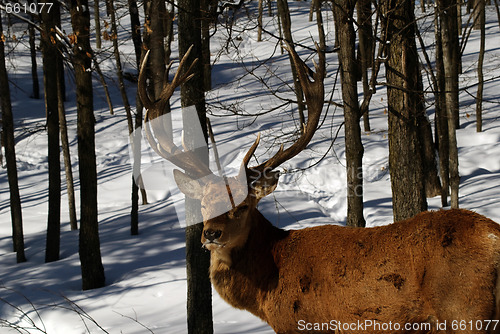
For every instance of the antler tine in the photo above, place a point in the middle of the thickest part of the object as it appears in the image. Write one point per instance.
(143, 94)
(179, 77)
(314, 94)
(156, 135)
(251, 151)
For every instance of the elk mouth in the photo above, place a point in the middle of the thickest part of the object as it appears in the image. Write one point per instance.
(212, 245)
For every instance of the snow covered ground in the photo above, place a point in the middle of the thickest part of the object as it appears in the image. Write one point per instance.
(145, 274)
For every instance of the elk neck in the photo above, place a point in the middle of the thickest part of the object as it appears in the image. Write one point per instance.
(253, 271)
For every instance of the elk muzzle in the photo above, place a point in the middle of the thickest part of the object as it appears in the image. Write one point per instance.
(211, 237)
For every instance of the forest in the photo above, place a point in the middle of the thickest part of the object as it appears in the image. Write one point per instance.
(94, 234)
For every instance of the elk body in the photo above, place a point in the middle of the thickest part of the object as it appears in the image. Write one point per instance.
(436, 268)
(436, 272)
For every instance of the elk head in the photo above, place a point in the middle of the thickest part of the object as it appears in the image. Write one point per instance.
(229, 203)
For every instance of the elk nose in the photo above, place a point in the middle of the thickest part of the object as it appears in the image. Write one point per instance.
(211, 235)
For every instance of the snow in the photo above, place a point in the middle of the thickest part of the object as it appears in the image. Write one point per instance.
(145, 275)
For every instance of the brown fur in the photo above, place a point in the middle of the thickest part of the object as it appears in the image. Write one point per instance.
(436, 267)
(439, 267)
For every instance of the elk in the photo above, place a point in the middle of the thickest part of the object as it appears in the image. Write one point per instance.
(436, 272)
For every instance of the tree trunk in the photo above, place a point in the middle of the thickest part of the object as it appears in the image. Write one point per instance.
(343, 10)
(137, 39)
(478, 6)
(50, 60)
(498, 12)
(136, 29)
(34, 72)
(73, 221)
(480, 78)
(259, 20)
(366, 46)
(97, 22)
(450, 45)
(432, 183)
(157, 56)
(90, 253)
(451, 55)
(405, 111)
(10, 156)
(321, 29)
(134, 225)
(205, 44)
(441, 118)
(199, 296)
(119, 71)
(459, 16)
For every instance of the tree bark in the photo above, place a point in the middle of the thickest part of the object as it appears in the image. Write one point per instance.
(321, 29)
(50, 55)
(441, 117)
(480, 77)
(89, 244)
(405, 111)
(10, 156)
(97, 22)
(205, 43)
(259, 20)
(136, 29)
(157, 14)
(366, 46)
(73, 221)
(450, 45)
(34, 72)
(199, 296)
(343, 11)
(137, 39)
(498, 12)
(432, 182)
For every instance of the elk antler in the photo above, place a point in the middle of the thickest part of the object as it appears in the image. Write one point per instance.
(164, 146)
(314, 94)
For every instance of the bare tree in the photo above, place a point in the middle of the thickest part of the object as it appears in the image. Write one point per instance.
(199, 298)
(343, 11)
(405, 110)
(73, 221)
(50, 77)
(97, 22)
(365, 49)
(136, 29)
(10, 155)
(441, 116)
(136, 145)
(134, 227)
(208, 12)
(34, 72)
(481, 18)
(450, 46)
(90, 253)
(498, 12)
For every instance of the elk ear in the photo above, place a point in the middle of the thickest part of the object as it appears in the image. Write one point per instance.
(264, 185)
(188, 186)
